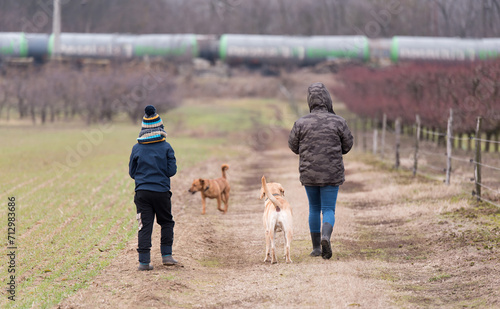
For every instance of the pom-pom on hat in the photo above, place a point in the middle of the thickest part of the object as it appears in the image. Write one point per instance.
(150, 110)
(152, 130)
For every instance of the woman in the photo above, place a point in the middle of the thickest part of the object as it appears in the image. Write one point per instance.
(320, 139)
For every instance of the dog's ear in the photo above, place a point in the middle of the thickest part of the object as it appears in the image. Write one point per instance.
(262, 193)
(202, 182)
(282, 191)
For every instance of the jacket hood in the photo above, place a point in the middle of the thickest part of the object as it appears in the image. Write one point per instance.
(318, 97)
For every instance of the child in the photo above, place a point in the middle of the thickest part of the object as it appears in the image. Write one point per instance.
(151, 165)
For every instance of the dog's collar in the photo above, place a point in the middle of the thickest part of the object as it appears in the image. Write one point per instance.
(208, 187)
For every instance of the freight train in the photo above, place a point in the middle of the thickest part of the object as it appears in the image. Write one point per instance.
(236, 49)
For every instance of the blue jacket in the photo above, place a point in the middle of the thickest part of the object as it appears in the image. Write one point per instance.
(152, 165)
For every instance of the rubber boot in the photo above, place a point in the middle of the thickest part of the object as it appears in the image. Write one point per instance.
(326, 247)
(168, 260)
(316, 241)
(144, 260)
(166, 255)
(145, 266)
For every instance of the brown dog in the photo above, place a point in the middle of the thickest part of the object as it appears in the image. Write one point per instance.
(277, 217)
(213, 188)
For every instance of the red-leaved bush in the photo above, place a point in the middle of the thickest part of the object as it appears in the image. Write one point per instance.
(428, 90)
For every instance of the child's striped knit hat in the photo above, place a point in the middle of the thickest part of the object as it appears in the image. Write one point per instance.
(152, 130)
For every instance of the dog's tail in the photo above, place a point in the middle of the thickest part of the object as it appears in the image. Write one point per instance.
(224, 168)
(276, 203)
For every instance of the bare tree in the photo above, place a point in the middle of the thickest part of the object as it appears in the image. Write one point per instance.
(298, 17)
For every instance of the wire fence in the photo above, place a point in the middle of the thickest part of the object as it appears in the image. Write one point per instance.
(486, 140)
(438, 156)
(432, 133)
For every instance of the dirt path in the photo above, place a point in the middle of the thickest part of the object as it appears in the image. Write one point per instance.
(388, 247)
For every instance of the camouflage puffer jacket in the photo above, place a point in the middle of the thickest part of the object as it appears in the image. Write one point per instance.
(320, 139)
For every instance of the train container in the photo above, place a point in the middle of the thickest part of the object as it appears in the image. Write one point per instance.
(86, 45)
(488, 49)
(208, 47)
(322, 48)
(13, 45)
(443, 49)
(248, 49)
(179, 47)
(261, 49)
(38, 46)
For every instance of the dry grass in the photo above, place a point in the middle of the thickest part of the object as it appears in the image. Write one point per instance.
(440, 249)
(432, 162)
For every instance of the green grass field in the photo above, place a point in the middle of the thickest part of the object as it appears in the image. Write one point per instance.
(74, 197)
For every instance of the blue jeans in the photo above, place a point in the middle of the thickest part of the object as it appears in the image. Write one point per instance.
(321, 200)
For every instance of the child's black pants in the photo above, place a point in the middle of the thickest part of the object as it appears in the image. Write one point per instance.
(148, 205)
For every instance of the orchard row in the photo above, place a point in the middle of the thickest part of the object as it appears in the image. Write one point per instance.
(429, 90)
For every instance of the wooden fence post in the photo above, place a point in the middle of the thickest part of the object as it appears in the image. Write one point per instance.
(449, 146)
(382, 142)
(375, 140)
(398, 133)
(417, 140)
(477, 164)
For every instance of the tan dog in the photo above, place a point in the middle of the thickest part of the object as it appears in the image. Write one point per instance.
(277, 217)
(213, 188)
